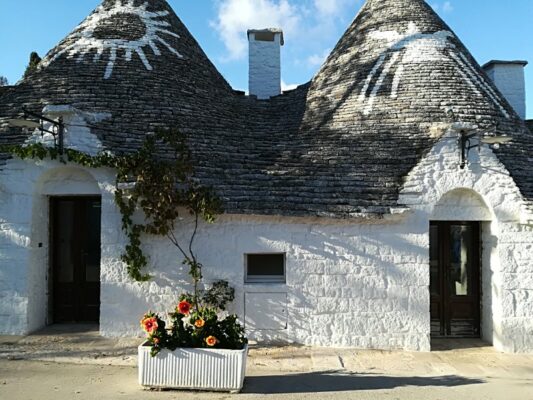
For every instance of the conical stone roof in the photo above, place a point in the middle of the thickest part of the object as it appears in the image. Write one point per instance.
(133, 59)
(399, 55)
(338, 146)
(392, 78)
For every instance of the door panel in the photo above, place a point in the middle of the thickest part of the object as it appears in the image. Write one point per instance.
(435, 281)
(455, 277)
(75, 244)
(90, 257)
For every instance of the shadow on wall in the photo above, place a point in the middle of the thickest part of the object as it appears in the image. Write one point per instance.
(388, 270)
(320, 382)
(377, 272)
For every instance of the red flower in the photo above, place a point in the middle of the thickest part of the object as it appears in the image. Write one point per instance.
(184, 307)
(149, 325)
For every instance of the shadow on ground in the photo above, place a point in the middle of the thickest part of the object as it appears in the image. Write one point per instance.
(459, 344)
(319, 382)
(66, 341)
(68, 330)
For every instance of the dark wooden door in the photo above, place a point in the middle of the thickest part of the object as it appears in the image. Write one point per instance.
(455, 279)
(75, 244)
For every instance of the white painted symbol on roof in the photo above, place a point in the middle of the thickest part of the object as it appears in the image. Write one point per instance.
(414, 47)
(85, 40)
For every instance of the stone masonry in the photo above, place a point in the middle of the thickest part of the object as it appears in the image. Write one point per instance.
(343, 175)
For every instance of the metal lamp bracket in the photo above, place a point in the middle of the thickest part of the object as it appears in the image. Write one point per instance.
(466, 146)
(58, 128)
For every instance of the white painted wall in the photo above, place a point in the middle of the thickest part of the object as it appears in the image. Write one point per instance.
(507, 262)
(15, 217)
(490, 281)
(356, 285)
(349, 284)
(516, 249)
(24, 234)
(77, 134)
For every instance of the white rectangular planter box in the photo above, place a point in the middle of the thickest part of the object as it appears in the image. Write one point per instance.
(194, 369)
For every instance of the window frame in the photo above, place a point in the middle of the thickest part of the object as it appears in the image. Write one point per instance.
(265, 279)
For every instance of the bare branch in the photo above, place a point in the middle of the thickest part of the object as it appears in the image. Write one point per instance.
(193, 236)
(175, 242)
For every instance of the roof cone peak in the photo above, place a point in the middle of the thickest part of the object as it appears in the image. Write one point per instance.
(397, 40)
(395, 49)
(117, 31)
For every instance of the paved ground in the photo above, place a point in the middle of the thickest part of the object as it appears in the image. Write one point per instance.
(81, 365)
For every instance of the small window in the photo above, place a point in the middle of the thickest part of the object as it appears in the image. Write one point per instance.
(265, 268)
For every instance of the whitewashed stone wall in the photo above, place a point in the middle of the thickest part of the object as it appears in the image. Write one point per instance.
(25, 189)
(516, 260)
(507, 262)
(349, 284)
(356, 285)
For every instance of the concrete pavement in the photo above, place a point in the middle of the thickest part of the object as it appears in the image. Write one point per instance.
(55, 364)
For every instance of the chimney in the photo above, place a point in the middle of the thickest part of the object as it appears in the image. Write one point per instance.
(265, 62)
(508, 76)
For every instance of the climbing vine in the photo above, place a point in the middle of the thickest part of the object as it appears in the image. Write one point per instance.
(160, 187)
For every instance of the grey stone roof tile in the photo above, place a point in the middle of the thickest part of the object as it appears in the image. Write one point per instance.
(339, 146)
(529, 124)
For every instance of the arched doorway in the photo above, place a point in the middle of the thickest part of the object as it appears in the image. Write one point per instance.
(456, 264)
(66, 222)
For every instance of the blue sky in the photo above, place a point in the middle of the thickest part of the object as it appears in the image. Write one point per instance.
(491, 29)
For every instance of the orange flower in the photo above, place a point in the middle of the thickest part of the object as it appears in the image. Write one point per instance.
(149, 325)
(156, 340)
(211, 341)
(199, 323)
(184, 307)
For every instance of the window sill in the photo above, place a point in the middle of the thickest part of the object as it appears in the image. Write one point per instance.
(272, 287)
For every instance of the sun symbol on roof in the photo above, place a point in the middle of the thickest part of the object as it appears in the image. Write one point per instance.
(123, 28)
(413, 47)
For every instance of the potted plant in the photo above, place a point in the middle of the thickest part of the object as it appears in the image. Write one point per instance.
(201, 349)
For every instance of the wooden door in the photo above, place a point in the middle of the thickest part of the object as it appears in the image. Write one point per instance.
(455, 279)
(75, 258)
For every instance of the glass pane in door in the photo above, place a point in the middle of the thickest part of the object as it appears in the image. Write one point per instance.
(460, 260)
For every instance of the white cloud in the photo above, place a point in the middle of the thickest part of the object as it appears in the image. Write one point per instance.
(235, 17)
(330, 7)
(316, 60)
(288, 86)
(312, 20)
(445, 7)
